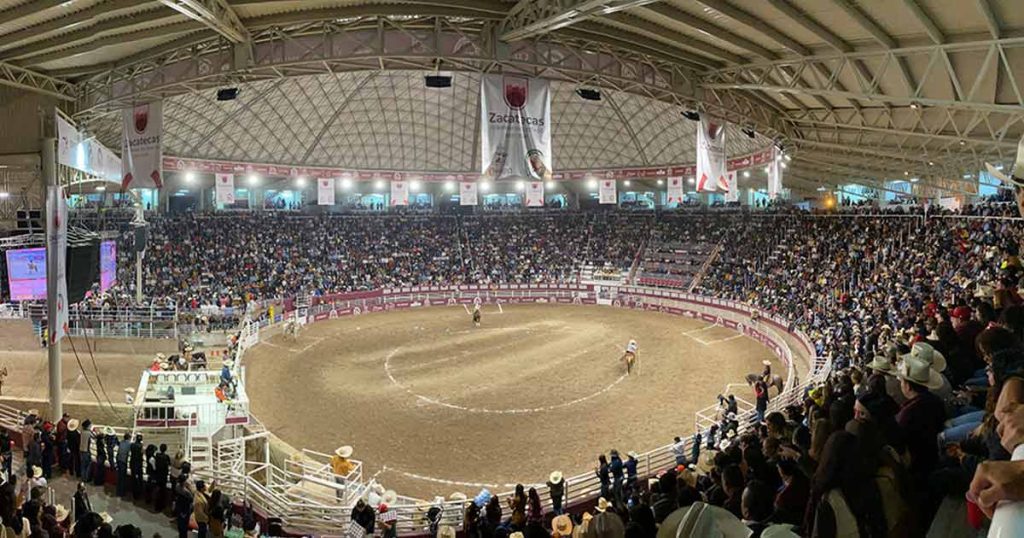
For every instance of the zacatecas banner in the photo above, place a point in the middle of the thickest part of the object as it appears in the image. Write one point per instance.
(399, 193)
(535, 194)
(711, 161)
(225, 189)
(515, 127)
(207, 166)
(607, 193)
(141, 151)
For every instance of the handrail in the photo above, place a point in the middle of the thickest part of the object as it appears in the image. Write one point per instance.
(705, 266)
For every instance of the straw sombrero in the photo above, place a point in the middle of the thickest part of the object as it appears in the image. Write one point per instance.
(555, 477)
(562, 525)
(61, 512)
(33, 411)
(390, 496)
(602, 505)
(344, 451)
(107, 430)
(766, 362)
(37, 472)
(73, 424)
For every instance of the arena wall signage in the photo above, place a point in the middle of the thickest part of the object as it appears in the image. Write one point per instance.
(209, 166)
(87, 155)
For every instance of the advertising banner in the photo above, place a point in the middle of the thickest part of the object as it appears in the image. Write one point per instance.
(141, 151)
(226, 189)
(325, 191)
(515, 128)
(608, 193)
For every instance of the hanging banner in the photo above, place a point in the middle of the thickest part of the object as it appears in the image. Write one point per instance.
(775, 175)
(732, 192)
(68, 139)
(399, 193)
(226, 189)
(325, 191)
(467, 193)
(675, 190)
(711, 162)
(141, 151)
(607, 193)
(535, 194)
(515, 130)
(57, 229)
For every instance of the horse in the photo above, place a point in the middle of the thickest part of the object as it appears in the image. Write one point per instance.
(630, 358)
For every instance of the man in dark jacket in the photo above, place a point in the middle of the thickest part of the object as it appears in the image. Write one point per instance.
(135, 463)
(183, 503)
(161, 466)
(616, 467)
(123, 450)
(82, 504)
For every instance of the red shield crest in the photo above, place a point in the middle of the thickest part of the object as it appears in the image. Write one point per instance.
(140, 117)
(516, 91)
(714, 130)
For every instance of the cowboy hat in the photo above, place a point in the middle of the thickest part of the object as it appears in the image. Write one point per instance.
(61, 512)
(107, 430)
(928, 354)
(633, 454)
(602, 505)
(555, 477)
(390, 496)
(129, 390)
(706, 520)
(919, 372)
(229, 363)
(766, 362)
(73, 424)
(779, 530)
(160, 357)
(881, 364)
(343, 451)
(446, 531)
(37, 472)
(516, 534)
(458, 496)
(106, 517)
(164, 365)
(33, 411)
(562, 525)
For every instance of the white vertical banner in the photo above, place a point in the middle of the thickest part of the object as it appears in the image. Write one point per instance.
(399, 193)
(534, 194)
(607, 193)
(675, 190)
(225, 189)
(467, 193)
(775, 174)
(732, 193)
(515, 130)
(57, 229)
(141, 151)
(68, 139)
(325, 191)
(711, 165)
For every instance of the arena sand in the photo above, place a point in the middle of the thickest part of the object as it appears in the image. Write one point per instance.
(433, 405)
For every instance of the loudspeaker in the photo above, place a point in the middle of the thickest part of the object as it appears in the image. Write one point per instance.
(227, 94)
(30, 220)
(438, 81)
(83, 269)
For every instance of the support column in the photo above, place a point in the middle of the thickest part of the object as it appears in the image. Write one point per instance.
(49, 168)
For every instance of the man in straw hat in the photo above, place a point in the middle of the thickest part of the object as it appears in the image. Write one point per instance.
(556, 488)
(922, 416)
(341, 467)
(561, 526)
(606, 523)
(74, 442)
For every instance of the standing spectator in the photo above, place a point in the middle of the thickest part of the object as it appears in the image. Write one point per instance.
(679, 450)
(162, 466)
(387, 519)
(135, 465)
(150, 457)
(556, 489)
(921, 418)
(101, 457)
(616, 467)
(33, 452)
(220, 511)
(604, 476)
(362, 514)
(85, 450)
(761, 404)
(123, 451)
(844, 501)
(341, 466)
(183, 503)
(201, 509)
(517, 505)
(6, 453)
(535, 514)
(63, 458)
(46, 446)
(631, 476)
(82, 504)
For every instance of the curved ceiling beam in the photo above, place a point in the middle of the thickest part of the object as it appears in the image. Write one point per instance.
(334, 117)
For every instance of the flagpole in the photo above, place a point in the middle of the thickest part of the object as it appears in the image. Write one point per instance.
(49, 168)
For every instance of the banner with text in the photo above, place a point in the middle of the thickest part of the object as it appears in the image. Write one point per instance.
(534, 194)
(399, 193)
(325, 191)
(775, 175)
(675, 190)
(711, 162)
(226, 189)
(515, 130)
(57, 229)
(607, 193)
(68, 139)
(467, 193)
(141, 151)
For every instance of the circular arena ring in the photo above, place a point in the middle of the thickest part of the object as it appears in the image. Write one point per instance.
(434, 405)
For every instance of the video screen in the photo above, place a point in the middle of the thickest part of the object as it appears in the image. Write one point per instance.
(108, 264)
(26, 273)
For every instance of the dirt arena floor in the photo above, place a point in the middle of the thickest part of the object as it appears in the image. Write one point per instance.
(118, 365)
(433, 405)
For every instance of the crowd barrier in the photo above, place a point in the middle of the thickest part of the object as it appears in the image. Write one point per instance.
(320, 517)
